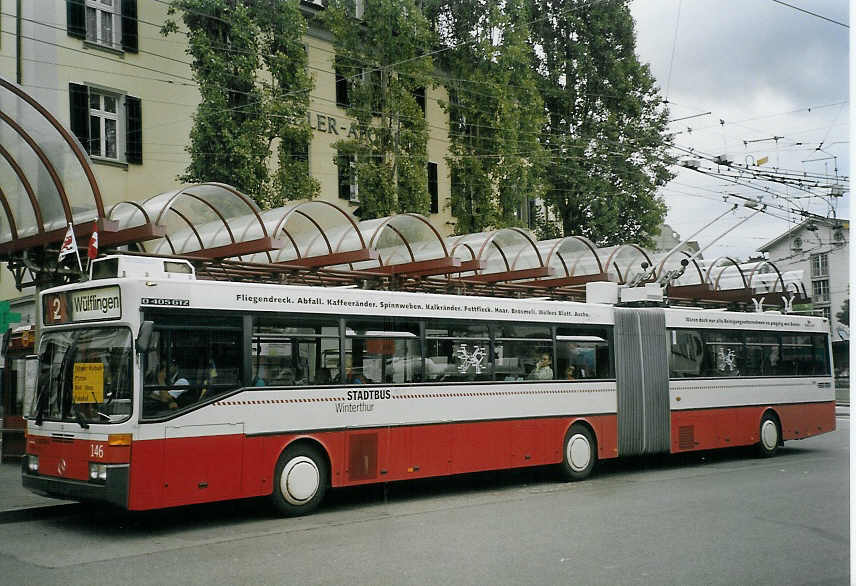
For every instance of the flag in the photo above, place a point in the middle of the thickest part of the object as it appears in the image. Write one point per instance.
(93, 246)
(69, 246)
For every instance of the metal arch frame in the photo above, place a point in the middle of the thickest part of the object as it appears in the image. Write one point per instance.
(619, 248)
(762, 263)
(441, 265)
(715, 284)
(13, 228)
(333, 257)
(146, 231)
(510, 274)
(22, 177)
(570, 278)
(233, 249)
(63, 196)
(701, 277)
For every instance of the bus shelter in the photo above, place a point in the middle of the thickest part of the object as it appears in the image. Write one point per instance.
(312, 234)
(508, 254)
(206, 220)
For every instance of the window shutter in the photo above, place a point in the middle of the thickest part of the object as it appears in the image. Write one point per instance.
(130, 41)
(134, 126)
(79, 101)
(75, 25)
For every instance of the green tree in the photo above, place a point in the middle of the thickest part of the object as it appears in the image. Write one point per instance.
(606, 122)
(382, 55)
(495, 109)
(250, 65)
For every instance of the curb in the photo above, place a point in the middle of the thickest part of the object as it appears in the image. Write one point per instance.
(36, 512)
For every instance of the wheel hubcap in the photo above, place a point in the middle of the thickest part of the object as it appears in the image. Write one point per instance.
(579, 452)
(769, 434)
(300, 480)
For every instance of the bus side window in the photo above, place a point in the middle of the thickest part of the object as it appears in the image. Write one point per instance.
(457, 350)
(687, 353)
(763, 355)
(294, 350)
(382, 350)
(724, 353)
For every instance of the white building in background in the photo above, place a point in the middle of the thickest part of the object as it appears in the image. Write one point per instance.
(820, 249)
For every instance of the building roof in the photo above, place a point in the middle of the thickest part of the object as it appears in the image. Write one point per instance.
(829, 222)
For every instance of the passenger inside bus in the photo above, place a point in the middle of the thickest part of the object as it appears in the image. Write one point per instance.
(169, 376)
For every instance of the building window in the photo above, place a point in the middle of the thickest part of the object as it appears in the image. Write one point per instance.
(343, 84)
(419, 96)
(102, 22)
(104, 125)
(820, 291)
(107, 23)
(348, 188)
(107, 124)
(433, 188)
(819, 266)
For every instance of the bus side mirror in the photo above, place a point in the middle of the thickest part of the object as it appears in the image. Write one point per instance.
(144, 337)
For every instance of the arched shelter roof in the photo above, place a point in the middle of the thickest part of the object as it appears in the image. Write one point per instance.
(405, 244)
(572, 260)
(46, 181)
(208, 220)
(507, 254)
(623, 262)
(693, 274)
(313, 234)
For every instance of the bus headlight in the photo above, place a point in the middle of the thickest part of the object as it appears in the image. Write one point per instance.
(32, 463)
(97, 472)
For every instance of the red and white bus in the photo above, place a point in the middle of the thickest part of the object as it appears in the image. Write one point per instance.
(157, 389)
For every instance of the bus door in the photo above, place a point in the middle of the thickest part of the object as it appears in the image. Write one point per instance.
(202, 462)
(642, 381)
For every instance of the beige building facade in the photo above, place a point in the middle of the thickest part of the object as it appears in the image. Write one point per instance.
(105, 71)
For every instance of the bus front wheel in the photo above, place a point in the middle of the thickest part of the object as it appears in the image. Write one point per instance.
(769, 436)
(579, 453)
(300, 480)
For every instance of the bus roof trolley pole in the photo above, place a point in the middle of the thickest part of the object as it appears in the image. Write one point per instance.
(670, 276)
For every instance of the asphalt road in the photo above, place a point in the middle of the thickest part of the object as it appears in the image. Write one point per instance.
(714, 518)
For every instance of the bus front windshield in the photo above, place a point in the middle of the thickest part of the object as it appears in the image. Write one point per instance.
(84, 376)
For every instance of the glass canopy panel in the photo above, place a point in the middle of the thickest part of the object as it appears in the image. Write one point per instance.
(127, 214)
(309, 229)
(573, 256)
(763, 277)
(82, 199)
(18, 200)
(45, 191)
(624, 262)
(400, 239)
(198, 217)
(693, 274)
(725, 275)
(508, 249)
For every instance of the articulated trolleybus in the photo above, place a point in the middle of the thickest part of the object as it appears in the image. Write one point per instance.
(156, 389)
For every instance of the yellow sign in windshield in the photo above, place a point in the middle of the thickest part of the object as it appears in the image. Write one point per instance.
(88, 382)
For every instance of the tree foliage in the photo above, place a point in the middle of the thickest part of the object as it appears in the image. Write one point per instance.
(382, 55)
(605, 131)
(494, 106)
(250, 65)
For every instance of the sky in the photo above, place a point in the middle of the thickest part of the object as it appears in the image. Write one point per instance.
(762, 70)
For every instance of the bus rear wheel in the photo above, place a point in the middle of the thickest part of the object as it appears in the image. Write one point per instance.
(769, 436)
(300, 480)
(579, 453)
